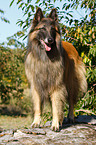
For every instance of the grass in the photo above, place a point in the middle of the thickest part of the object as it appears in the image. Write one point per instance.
(17, 114)
(12, 122)
(14, 118)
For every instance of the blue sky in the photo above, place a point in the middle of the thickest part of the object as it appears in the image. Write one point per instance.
(13, 14)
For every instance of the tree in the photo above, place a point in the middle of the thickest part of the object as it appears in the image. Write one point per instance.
(80, 32)
(2, 17)
(11, 73)
(11, 67)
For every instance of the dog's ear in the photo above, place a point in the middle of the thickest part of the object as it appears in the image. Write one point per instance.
(38, 16)
(53, 15)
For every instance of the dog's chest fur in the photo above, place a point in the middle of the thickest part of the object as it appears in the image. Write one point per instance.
(47, 76)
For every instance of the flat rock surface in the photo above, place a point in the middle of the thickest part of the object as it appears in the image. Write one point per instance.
(82, 132)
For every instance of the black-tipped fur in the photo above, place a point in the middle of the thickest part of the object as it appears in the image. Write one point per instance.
(53, 68)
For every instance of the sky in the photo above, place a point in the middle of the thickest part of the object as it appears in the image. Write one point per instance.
(13, 14)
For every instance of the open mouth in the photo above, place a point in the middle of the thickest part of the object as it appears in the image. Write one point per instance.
(46, 45)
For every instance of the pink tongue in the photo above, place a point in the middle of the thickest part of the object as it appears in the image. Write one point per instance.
(47, 48)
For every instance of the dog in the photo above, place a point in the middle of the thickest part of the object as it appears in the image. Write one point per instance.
(53, 68)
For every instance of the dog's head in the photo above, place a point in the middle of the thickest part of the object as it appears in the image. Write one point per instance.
(46, 30)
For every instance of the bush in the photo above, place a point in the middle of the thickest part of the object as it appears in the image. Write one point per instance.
(11, 73)
(81, 33)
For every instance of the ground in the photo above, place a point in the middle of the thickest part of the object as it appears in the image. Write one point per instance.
(16, 130)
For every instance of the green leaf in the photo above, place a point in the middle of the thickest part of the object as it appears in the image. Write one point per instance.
(5, 20)
(70, 22)
(19, 1)
(67, 7)
(20, 6)
(11, 3)
(67, 18)
(1, 11)
(23, 8)
(32, 8)
(70, 14)
(64, 5)
(37, 1)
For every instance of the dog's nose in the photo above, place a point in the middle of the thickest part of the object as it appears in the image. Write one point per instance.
(50, 40)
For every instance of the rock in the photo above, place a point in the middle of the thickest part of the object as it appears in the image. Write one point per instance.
(86, 119)
(7, 132)
(19, 134)
(36, 131)
(78, 133)
(48, 124)
(1, 129)
(6, 138)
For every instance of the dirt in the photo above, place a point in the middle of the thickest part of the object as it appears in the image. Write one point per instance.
(83, 132)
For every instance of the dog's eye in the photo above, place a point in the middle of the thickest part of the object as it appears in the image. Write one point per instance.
(43, 28)
(52, 28)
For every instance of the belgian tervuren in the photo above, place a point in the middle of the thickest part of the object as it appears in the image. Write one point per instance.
(53, 68)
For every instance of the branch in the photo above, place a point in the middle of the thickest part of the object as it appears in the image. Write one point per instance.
(80, 42)
(86, 111)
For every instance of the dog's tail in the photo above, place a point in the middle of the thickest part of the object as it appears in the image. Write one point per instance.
(77, 65)
(81, 73)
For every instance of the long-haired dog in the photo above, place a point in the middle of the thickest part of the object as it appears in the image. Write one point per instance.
(53, 68)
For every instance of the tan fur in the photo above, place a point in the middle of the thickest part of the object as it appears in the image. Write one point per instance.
(79, 72)
(72, 54)
(58, 101)
(58, 75)
(57, 95)
(37, 114)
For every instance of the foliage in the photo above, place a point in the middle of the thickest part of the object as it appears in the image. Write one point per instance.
(2, 17)
(82, 35)
(11, 73)
(80, 32)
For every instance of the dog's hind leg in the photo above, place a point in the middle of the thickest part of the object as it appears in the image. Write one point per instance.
(71, 111)
(37, 111)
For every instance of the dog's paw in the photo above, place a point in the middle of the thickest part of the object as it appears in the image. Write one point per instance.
(55, 126)
(36, 123)
(70, 120)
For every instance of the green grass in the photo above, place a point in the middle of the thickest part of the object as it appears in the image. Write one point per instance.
(18, 114)
(10, 122)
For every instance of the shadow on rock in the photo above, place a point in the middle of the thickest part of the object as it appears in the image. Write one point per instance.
(80, 120)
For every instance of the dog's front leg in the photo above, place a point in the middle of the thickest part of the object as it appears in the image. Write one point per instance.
(57, 99)
(37, 111)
